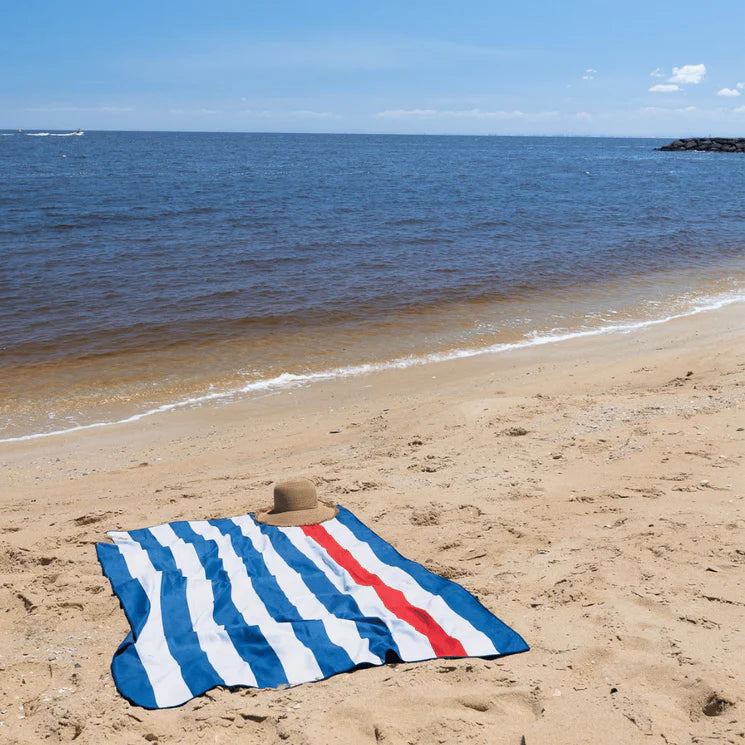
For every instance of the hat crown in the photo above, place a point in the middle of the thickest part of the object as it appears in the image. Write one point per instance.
(296, 494)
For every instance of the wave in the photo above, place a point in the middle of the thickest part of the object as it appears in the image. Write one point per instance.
(54, 134)
(288, 380)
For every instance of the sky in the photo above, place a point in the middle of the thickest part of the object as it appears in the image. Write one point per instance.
(658, 69)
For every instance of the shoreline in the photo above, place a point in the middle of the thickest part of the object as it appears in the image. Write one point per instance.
(591, 496)
(291, 375)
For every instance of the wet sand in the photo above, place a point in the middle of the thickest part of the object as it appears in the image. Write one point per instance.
(590, 493)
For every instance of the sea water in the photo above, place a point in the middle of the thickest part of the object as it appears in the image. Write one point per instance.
(142, 271)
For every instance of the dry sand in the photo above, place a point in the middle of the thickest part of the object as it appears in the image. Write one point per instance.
(590, 493)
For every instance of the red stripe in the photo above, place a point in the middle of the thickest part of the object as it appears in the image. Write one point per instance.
(443, 644)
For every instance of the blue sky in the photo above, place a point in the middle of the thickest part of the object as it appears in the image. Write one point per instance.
(632, 68)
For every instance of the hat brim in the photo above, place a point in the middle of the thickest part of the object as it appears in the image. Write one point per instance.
(296, 518)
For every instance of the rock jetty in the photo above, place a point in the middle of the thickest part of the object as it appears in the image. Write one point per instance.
(713, 144)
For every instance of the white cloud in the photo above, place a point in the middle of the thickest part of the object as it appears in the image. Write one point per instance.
(728, 92)
(664, 88)
(688, 74)
(307, 114)
(657, 73)
(739, 110)
(462, 114)
(589, 74)
(583, 116)
(406, 113)
(660, 111)
(740, 86)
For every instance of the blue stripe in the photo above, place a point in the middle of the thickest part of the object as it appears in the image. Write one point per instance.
(183, 642)
(331, 658)
(460, 600)
(126, 668)
(249, 642)
(112, 563)
(131, 595)
(130, 676)
(338, 604)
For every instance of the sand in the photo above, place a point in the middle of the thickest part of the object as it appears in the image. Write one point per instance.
(590, 493)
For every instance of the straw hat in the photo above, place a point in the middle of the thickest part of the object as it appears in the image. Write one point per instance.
(296, 503)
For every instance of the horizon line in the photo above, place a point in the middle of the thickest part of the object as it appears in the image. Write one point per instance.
(21, 130)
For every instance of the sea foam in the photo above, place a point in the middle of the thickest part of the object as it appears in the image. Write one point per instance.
(53, 134)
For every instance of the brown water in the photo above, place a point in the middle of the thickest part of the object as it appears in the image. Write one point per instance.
(59, 396)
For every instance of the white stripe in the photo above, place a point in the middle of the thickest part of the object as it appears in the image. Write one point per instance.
(412, 645)
(342, 632)
(475, 642)
(296, 659)
(162, 670)
(213, 639)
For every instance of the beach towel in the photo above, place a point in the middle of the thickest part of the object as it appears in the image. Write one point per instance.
(232, 602)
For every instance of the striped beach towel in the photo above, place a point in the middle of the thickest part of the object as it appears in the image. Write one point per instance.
(232, 602)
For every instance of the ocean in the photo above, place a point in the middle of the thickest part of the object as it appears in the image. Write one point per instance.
(146, 271)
